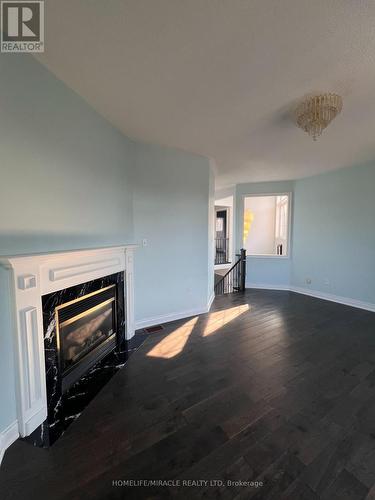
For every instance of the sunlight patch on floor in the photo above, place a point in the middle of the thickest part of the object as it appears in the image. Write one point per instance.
(218, 319)
(175, 342)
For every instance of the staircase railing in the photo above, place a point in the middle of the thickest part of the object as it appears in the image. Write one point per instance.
(234, 279)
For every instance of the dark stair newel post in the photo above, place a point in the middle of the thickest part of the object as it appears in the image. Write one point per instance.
(243, 269)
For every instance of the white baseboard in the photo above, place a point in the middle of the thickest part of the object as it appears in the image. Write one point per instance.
(166, 318)
(157, 320)
(347, 301)
(7, 437)
(264, 286)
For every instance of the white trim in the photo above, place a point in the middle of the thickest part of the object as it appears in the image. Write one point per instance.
(72, 270)
(290, 220)
(230, 224)
(217, 267)
(129, 292)
(157, 320)
(267, 256)
(33, 276)
(210, 300)
(166, 318)
(7, 437)
(347, 301)
(266, 286)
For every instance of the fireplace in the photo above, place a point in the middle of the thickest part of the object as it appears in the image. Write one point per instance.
(84, 345)
(86, 331)
(73, 329)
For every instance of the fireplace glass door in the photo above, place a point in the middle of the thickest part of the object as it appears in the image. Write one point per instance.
(85, 327)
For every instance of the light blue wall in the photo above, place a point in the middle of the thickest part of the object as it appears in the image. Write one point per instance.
(263, 271)
(58, 158)
(171, 210)
(334, 235)
(7, 387)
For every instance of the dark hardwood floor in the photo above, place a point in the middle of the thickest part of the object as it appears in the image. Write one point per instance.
(272, 387)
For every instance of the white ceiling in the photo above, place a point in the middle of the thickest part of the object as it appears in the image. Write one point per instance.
(219, 77)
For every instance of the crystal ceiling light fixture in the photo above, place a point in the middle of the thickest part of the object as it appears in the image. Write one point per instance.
(316, 112)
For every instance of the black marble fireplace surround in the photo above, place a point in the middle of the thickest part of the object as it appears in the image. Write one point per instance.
(66, 401)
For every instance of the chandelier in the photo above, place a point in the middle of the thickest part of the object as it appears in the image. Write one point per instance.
(316, 112)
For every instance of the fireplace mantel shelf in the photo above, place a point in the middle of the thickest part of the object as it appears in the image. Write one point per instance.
(31, 277)
(9, 261)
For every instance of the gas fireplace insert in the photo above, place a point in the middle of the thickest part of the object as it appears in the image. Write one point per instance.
(86, 332)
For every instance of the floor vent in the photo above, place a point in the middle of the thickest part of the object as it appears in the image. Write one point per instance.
(154, 329)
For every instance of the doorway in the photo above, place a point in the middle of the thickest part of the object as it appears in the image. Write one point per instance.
(221, 236)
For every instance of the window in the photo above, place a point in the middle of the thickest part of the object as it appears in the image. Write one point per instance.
(266, 224)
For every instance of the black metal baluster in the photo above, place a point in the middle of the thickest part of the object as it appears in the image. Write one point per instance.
(235, 279)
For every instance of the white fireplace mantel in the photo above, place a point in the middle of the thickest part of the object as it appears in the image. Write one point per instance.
(33, 276)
